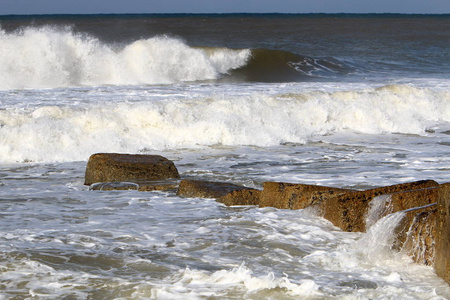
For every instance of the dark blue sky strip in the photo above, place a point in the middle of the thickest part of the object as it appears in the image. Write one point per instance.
(230, 6)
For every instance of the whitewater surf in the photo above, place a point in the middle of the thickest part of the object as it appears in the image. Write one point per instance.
(345, 101)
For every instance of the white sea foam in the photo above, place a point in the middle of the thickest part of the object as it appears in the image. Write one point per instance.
(194, 284)
(42, 132)
(54, 57)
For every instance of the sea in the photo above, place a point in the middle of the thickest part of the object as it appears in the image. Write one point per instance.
(342, 100)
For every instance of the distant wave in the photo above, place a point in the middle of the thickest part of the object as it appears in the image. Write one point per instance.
(47, 57)
(68, 133)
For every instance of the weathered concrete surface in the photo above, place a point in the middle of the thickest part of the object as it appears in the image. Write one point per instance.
(295, 196)
(348, 211)
(110, 167)
(386, 204)
(207, 189)
(442, 256)
(168, 185)
(413, 198)
(241, 197)
(416, 235)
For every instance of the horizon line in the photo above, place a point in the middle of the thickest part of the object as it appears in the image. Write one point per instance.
(225, 14)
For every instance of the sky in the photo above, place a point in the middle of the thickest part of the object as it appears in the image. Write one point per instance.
(221, 6)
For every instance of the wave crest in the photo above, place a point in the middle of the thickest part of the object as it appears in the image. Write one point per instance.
(65, 133)
(49, 57)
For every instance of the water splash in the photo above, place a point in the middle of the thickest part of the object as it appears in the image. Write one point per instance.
(378, 207)
(379, 239)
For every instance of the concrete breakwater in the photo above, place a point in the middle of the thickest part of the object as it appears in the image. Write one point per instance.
(423, 233)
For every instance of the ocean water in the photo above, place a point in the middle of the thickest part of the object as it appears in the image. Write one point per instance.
(352, 101)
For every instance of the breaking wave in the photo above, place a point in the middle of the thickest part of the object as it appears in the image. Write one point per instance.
(51, 57)
(69, 133)
(48, 57)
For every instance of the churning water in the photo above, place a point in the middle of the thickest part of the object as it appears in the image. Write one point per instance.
(345, 101)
